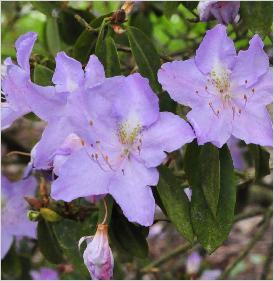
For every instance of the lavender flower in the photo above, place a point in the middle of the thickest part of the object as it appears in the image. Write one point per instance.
(193, 263)
(23, 96)
(224, 11)
(228, 93)
(126, 139)
(212, 274)
(98, 256)
(44, 273)
(14, 222)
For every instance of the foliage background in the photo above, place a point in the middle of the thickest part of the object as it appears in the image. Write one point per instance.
(174, 30)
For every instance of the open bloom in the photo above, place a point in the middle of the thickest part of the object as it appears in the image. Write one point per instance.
(224, 11)
(228, 93)
(68, 78)
(14, 220)
(44, 273)
(98, 256)
(22, 96)
(127, 138)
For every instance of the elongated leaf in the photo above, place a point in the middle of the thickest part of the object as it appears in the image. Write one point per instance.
(46, 7)
(100, 48)
(261, 159)
(210, 175)
(175, 202)
(52, 36)
(146, 56)
(129, 237)
(47, 243)
(212, 232)
(170, 7)
(257, 16)
(42, 75)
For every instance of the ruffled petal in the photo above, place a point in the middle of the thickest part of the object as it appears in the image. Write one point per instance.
(131, 190)
(68, 75)
(216, 49)
(169, 133)
(94, 72)
(251, 64)
(183, 81)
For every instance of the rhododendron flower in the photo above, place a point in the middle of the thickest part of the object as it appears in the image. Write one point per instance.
(98, 256)
(70, 78)
(44, 273)
(193, 263)
(224, 11)
(237, 153)
(14, 220)
(228, 93)
(22, 96)
(125, 141)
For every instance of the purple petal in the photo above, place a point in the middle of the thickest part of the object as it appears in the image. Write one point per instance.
(68, 75)
(193, 263)
(44, 273)
(133, 193)
(183, 81)
(210, 274)
(80, 176)
(24, 45)
(236, 153)
(216, 49)
(251, 64)
(254, 125)
(94, 72)
(6, 242)
(167, 134)
(210, 127)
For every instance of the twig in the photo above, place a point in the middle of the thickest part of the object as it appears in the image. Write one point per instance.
(179, 250)
(249, 214)
(84, 23)
(250, 245)
(268, 261)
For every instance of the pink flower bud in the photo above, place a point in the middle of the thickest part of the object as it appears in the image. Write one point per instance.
(97, 256)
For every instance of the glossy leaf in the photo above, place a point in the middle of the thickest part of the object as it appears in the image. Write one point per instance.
(46, 7)
(42, 75)
(175, 202)
(52, 36)
(48, 243)
(145, 54)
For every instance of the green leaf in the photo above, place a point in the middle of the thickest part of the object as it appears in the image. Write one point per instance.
(261, 158)
(146, 56)
(257, 16)
(52, 36)
(213, 231)
(129, 237)
(170, 7)
(99, 48)
(175, 202)
(210, 175)
(46, 7)
(47, 243)
(42, 75)
(85, 43)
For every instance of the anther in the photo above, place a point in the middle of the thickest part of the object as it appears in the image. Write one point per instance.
(82, 142)
(123, 171)
(90, 123)
(253, 90)
(97, 142)
(245, 81)
(196, 92)
(96, 156)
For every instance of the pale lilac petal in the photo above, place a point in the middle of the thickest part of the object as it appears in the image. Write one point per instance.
(251, 64)
(188, 192)
(6, 242)
(210, 127)
(94, 72)
(24, 45)
(8, 115)
(44, 273)
(80, 176)
(183, 81)
(167, 134)
(236, 153)
(212, 274)
(68, 75)
(193, 263)
(254, 125)
(131, 190)
(216, 49)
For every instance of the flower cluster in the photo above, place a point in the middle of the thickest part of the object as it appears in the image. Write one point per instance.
(108, 136)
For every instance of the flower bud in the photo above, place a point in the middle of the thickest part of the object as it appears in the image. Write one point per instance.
(33, 215)
(193, 263)
(98, 256)
(50, 215)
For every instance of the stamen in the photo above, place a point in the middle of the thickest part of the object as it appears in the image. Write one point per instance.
(210, 104)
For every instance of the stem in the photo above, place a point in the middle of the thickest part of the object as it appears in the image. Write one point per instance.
(84, 23)
(250, 245)
(15, 152)
(267, 264)
(179, 250)
(106, 211)
(249, 214)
